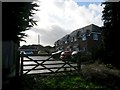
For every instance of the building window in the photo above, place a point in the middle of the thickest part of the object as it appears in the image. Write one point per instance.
(72, 39)
(56, 44)
(68, 38)
(75, 39)
(83, 37)
(65, 41)
(88, 32)
(78, 34)
(95, 36)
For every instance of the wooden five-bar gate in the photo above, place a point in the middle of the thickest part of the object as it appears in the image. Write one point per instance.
(28, 65)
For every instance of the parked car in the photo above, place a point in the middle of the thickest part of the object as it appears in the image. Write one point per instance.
(65, 55)
(75, 56)
(56, 54)
(74, 53)
(22, 52)
(26, 52)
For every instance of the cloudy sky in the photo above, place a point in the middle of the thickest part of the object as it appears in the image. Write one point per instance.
(56, 18)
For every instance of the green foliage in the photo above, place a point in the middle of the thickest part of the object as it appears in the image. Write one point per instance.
(109, 66)
(111, 18)
(17, 17)
(93, 76)
(86, 57)
(56, 82)
(101, 74)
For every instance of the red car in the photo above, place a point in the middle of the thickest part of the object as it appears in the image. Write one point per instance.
(65, 55)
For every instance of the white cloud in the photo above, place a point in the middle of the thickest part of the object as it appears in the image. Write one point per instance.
(57, 18)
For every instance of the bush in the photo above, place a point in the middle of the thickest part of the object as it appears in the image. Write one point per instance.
(99, 73)
(85, 57)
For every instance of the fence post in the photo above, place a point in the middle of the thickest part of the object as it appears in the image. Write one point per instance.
(21, 72)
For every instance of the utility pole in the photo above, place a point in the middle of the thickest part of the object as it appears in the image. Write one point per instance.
(38, 39)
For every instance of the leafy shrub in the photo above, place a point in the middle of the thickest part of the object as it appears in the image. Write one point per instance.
(99, 73)
(85, 57)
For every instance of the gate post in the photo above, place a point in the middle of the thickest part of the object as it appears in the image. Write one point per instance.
(78, 65)
(78, 62)
(21, 71)
(17, 57)
(17, 64)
